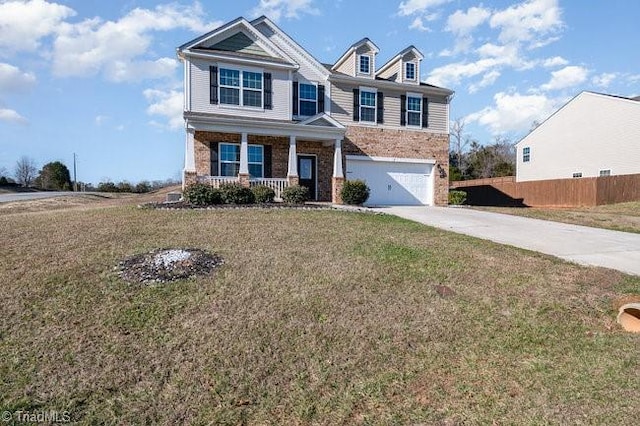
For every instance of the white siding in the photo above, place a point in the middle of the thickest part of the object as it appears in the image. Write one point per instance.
(591, 133)
(348, 67)
(342, 108)
(393, 71)
(307, 70)
(200, 94)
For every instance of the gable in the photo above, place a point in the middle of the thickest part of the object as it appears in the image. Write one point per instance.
(321, 122)
(239, 43)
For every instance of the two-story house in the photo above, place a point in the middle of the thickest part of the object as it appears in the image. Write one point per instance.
(259, 109)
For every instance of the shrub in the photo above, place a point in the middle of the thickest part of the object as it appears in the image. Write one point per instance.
(295, 194)
(3, 181)
(234, 193)
(354, 192)
(457, 198)
(263, 194)
(201, 194)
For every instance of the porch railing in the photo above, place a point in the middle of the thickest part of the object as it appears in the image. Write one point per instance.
(277, 184)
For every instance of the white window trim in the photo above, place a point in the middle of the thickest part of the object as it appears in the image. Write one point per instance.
(528, 154)
(220, 144)
(358, 62)
(415, 71)
(375, 106)
(311, 83)
(242, 69)
(406, 118)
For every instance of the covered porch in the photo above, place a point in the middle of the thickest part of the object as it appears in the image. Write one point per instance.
(275, 154)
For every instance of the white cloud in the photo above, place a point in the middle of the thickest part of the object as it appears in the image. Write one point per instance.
(462, 23)
(411, 7)
(528, 21)
(23, 23)
(101, 119)
(514, 112)
(556, 61)
(168, 104)
(118, 49)
(566, 77)
(418, 24)
(276, 9)
(605, 79)
(11, 116)
(14, 80)
(487, 80)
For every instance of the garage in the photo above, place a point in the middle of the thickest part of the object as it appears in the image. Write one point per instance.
(394, 181)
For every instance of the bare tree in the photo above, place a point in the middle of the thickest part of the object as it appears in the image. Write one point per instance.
(458, 140)
(25, 170)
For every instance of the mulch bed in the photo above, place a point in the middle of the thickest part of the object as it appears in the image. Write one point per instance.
(165, 265)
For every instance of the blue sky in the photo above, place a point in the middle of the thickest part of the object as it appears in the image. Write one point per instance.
(101, 79)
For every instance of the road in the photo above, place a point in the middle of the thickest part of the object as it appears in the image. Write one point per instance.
(24, 196)
(579, 244)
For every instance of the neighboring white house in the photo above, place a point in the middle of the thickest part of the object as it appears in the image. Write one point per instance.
(592, 135)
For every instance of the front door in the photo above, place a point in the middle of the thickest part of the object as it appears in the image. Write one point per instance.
(307, 172)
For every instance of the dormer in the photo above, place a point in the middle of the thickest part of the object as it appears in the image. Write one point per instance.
(359, 60)
(403, 68)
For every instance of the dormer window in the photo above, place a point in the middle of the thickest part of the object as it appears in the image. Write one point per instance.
(365, 64)
(410, 70)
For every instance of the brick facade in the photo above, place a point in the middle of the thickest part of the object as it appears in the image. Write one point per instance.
(381, 142)
(371, 141)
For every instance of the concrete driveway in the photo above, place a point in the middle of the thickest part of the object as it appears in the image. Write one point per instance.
(579, 244)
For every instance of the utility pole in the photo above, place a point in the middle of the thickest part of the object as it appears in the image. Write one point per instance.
(75, 182)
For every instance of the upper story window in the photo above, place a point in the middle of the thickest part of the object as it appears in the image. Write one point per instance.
(230, 160)
(414, 111)
(606, 172)
(365, 64)
(308, 98)
(410, 71)
(368, 105)
(577, 175)
(526, 154)
(240, 87)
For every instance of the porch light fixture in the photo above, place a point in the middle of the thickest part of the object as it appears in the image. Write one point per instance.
(443, 174)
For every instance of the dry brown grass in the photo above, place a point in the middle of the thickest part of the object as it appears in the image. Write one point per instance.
(618, 217)
(317, 317)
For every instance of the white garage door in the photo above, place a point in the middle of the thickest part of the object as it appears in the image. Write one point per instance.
(393, 181)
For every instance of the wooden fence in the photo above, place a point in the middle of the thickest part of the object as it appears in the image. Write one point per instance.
(505, 191)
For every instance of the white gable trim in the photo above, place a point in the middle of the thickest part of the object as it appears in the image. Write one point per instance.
(308, 57)
(399, 56)
(323, 116)
(244, 26)
(352, 49)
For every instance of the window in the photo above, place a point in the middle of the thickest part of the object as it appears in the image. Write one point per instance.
(230, 160)
(577, 175)
(367, 106)
(308, 95)
(249, 93)
(414, 111)
(410, 71)
(526, 154)
(365, 64)
(606, 172)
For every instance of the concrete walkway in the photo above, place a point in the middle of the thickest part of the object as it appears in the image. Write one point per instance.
(24, 196)
(579, 244)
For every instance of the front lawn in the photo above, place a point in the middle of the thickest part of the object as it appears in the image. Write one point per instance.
(316, 317)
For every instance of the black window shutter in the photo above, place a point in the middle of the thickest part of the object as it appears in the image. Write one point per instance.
(380, 107)
(213, 83)
(320, 98)
(403, 110)
(425, 112)
(295, 98)
(267, 161)
(356, 105)
(214, 159)
(268, 101)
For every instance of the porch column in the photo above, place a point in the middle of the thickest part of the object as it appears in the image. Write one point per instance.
(189, 173)
(292, 169)
(243, 173)
(338, 173)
